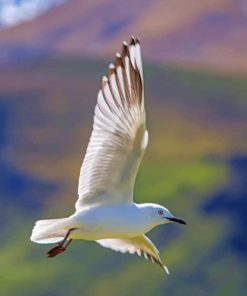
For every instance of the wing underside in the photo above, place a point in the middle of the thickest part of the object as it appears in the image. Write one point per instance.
(119, 135)
(142, 246)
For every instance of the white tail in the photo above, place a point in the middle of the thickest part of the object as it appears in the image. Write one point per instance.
(49, 231)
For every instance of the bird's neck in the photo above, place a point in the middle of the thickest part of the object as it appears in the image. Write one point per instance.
(144, 210)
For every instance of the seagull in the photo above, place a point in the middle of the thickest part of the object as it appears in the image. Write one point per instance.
(105, 210)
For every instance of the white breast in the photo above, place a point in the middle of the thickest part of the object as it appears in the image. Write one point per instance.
(122, 221)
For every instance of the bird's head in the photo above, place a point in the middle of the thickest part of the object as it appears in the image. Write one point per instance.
(161, 215)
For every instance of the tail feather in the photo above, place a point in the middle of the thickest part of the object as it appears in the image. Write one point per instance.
(49, 231)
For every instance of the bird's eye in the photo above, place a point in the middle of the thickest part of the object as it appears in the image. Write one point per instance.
(160, 212)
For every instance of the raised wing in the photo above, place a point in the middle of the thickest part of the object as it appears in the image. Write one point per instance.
(119, 135)
(141, 245)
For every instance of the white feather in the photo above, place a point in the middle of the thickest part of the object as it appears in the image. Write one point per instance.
(119, 137)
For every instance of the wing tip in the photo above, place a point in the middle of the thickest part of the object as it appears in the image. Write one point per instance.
(166, 270)
(125, 50)
(134, 40)
(104, 81)
(111, 69)
(119, 60)
(126, 72)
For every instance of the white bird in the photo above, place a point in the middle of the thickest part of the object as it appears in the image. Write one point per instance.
(105, 211)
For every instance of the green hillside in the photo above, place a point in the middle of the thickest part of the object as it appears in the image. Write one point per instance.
(197, 156)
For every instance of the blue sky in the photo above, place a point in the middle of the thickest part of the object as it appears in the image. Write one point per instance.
(13, 12)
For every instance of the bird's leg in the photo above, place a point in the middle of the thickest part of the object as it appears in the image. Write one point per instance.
(61, 246)
(67, 244)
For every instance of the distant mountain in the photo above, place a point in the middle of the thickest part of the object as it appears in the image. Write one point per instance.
(209, 33)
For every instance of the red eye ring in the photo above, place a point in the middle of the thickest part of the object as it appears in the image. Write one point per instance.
(160, 212)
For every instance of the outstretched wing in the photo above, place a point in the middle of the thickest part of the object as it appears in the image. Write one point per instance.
(119, 135)
(141, 246)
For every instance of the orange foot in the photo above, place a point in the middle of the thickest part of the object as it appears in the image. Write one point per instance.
(55, 251)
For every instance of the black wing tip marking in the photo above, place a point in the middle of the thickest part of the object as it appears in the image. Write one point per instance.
(138, 40)
(111, 69)
(133, 92)
(125, 47)
(104, 81)
(119, 61)
(134, 40)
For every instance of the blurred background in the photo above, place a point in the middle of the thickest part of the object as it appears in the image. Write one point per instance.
(53, 54)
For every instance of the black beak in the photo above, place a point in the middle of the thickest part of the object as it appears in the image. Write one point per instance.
(174, 219)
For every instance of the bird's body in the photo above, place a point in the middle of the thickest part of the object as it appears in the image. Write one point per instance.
(105, 211)
(117, 221)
